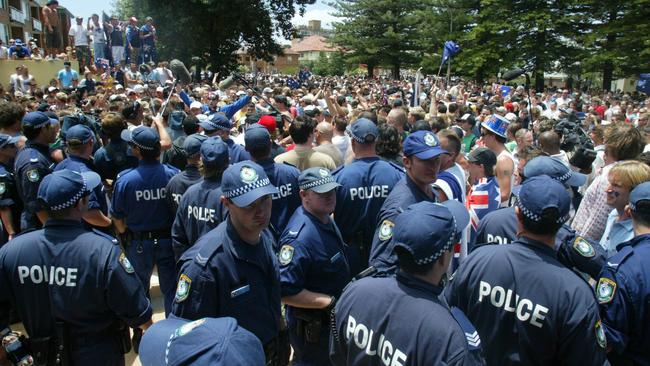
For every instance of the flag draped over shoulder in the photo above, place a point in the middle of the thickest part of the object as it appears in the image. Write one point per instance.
(451, 49)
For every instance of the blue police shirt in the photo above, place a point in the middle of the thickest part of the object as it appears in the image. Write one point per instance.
(97, 199)
(199, 211)
(113, 158)
(531, 308)
(230, 109)
(365, 185)
(497, 227)
(139, 197)
(79, 276)
(9, 198)
(32, 163)
(221, 275)
(179, 184)
(374, 326)
(287, 200)
(404, 194)
(236, 152)
(623, 291)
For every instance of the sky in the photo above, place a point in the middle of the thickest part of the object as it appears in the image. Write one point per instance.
(85, 8)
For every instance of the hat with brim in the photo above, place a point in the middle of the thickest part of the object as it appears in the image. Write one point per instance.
(497, 125)
(64, 188)
(424, 145)
(38, 120)
(317, 179)
(543, 192)
(245, 182)
(8, 140)
(143, 137)
(556, 169)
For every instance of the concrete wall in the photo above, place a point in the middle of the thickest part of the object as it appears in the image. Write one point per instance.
(43, 71)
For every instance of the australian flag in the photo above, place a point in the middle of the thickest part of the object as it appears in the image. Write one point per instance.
(292, 83)
(451, 49)
(484, 198)
(643, 85)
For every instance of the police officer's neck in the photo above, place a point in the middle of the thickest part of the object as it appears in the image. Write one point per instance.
(364, 151)
(640, 229)
(548, 240)
(248, 236)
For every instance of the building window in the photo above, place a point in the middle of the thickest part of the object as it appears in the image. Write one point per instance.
(4, 33)
(289, 59)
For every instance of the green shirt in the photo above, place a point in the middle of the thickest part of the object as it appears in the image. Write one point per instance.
(468, 143)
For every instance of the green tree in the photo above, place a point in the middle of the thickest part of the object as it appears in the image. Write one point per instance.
(215, 28)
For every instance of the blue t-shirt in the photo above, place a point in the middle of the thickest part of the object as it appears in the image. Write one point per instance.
(20, 53)
(67, 76)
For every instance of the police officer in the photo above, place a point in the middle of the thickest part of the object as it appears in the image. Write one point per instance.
(207, 341)
(79, 142)
(624, 287)
(534, 310)
(32, 164)
(66, 280)
(375, 318)
(10, 204)
(283, 176)
(365, 185)
(190, 175)
(142, 216)
(314, 267)
(219, 125)
(232, 270)
(115, 156)
(200, 209)
(421, 162)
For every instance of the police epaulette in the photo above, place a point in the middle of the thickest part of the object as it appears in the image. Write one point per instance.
(291, 234)
(285, 163)
(469, 331)
(624, 252)
(338, 169)
(400, 168)
(109, 237)
(123, 172)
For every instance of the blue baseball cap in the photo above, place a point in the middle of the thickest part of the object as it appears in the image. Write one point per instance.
(192, 144)
(245, 182)
(257, 136)
(214, 152)
(497, 125)
(540, 193)
(363, 131)
(317, 179)
(424, 145)
(8, 140)
(208, 341)
(554, 168)
(63, 188)
(143, 137)
(639, 193)
(38, 120)
(427, 229)
(79, 135)
(217, 121)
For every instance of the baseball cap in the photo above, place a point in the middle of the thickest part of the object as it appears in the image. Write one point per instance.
(426, 229)
(317, 179)
(267, 91)
(467, 118)
(363, 131)
(38, 120)
(160, 89)
(245, 182)
(216, 121)
(208, 341)
(8, 140)
(640, 193)
(192, 144)
(540, 193)
(268, 122)
(257, 136)
(78, 135)
(497, 125)
(511, 117)
(196, 105)
(63, 188)
(423, 144)
(215, 152)
(143, 137)
(482, 155)
(18, 42)
(138, 89)
(554, 168)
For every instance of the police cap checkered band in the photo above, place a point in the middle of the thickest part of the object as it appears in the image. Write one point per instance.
(70, 202)
(317, 183)
(247, 188)
(534, 217)
(453, 239)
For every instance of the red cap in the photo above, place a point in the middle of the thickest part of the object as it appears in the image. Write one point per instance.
(509, 107)
(268, 122)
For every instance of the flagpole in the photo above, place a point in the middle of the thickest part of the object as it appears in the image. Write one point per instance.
(449, 70)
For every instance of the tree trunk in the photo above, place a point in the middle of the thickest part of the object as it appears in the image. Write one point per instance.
(371, 70)
(608, 66)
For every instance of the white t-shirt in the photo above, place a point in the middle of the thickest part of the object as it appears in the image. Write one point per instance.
(4, 52)
(80, 35)
(98, 33)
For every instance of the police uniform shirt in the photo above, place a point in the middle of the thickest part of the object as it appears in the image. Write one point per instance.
(180, 183)
(365, 185)
(199, 211)
(497, 227)
(404, 194)
(287, 200)
(531, 308)
(33, 163)
(622, 292)
(113, 158)
(400, 321)
(9, 199)
(97, 199)
(221, 275)
(236, 152)
(139, 197)
(81, 277)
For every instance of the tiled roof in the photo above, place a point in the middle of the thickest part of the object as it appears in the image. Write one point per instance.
(311, 43)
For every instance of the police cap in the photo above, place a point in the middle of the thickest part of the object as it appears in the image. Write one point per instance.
(214, 152)
(543, 192)
(554, 168)
(143, 137)
(423, 144)
(363, 131)
(192, 144)
(317, 179)
(245, 182)
(63, 188)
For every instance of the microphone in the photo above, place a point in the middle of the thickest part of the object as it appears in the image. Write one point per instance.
(513, 74)
(180, 71)
(227, 82)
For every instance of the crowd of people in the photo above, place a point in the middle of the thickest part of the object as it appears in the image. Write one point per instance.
(343, 220)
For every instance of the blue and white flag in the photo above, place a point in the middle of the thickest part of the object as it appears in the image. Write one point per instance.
(451, 49)
(643, 85)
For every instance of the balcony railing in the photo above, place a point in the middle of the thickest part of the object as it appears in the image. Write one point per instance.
(37, 25)
(16, 15)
